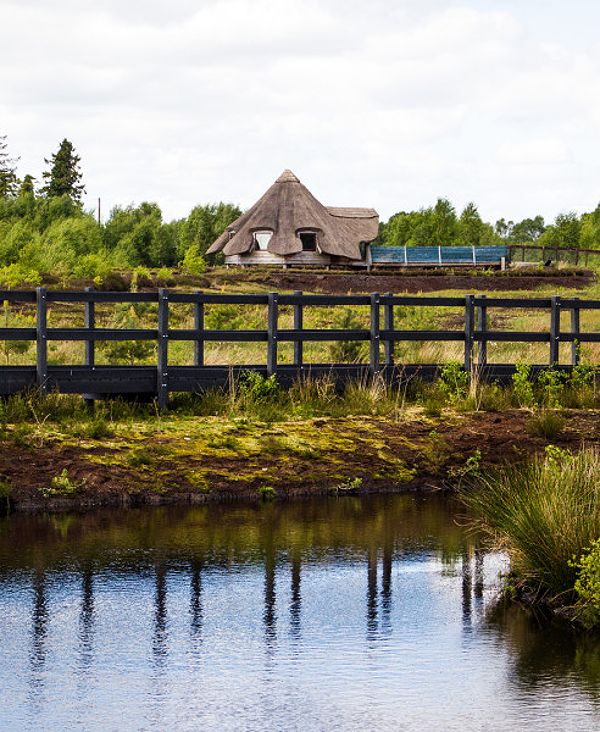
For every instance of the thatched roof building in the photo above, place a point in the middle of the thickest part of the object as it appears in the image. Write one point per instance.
(288, 220)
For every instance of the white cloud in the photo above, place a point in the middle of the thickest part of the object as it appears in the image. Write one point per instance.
(382, 104)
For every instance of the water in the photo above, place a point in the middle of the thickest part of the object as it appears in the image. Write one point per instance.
(332, 614)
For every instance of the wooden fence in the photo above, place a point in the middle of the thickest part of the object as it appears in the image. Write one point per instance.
(95, 381)
(541, 253)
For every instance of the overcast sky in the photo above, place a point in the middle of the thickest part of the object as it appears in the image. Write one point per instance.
(372, 103)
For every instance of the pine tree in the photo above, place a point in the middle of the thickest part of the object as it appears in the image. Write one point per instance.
(8, 179)
(64, 176)
(27, 187)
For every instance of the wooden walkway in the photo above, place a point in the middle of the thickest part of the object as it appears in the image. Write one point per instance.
(96, 381)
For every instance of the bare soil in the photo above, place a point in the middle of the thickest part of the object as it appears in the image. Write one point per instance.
(419, 454)
(411, 281)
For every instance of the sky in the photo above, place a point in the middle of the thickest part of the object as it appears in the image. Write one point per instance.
(374, 103)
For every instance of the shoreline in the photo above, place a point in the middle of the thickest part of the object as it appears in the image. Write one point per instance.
(194, 460)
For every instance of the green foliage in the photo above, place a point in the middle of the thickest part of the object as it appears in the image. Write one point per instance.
(587, 585)
(551, 384)
(193, 262)
(64, 176)
(437, 225)
(8, 178)
(543, 514)
(349, 486)
(565, 232)
(267, 492)
(256, 388)
(469, 470)
(453, 382)
(18, 274)
(522, 386)
(203, 226)
(62, 485)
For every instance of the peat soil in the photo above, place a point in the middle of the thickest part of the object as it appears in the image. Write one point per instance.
(411, 281)
(339, 456)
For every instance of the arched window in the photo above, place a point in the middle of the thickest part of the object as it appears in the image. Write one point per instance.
(309, 241)
(262, 239)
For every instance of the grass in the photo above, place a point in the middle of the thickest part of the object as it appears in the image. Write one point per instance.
(543, 514)
(231, 316)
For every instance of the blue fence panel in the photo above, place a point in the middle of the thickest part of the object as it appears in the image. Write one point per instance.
(439, 255)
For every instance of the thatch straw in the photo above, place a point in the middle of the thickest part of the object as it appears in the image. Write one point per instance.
(289, 207)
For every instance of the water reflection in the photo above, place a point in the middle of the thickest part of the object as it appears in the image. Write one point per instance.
(296, 598)
(314, 615)
(196, 599)
(86, 618)
(159, 638)
(39, 626)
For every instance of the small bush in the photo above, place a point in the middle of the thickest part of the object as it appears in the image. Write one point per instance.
(193, 262)
(267, 492)
(522, 386)
(256, 388)
(587, 585)
(546, 423)
(551, 384)
(62, 485)
(453, 383)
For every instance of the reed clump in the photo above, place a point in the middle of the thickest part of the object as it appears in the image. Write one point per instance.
(545, 515)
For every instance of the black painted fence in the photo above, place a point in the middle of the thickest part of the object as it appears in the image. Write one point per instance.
(95, 381)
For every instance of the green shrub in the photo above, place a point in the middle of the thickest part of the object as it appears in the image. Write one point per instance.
(257, 388)
(18, 274)
(453, 382)
(62, 485)
(551, 383)
(587, 585)
(543, 514)
(267, 492)
(522, 386)
(193, 262)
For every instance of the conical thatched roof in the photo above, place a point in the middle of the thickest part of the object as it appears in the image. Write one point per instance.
(288, 207)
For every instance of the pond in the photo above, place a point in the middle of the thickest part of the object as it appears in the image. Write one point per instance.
(351, 613)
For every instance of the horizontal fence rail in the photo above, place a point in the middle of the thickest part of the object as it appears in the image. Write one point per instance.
(95, 381)
(544, 252)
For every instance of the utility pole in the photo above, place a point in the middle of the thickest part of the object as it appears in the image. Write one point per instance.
(99, 221)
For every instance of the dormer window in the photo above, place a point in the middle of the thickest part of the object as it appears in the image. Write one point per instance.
(262, 239)
(309, 241)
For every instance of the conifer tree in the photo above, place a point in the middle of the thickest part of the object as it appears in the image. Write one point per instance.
(8, 179)
(64, 176)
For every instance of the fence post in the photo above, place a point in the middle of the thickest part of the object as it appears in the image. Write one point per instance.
(199, 328)
(90, 324)
(42, 340)
(374, 341)
(554, 330)
(575, 330)
(272, 318)
(90, 345)
(163, 348)
(298, 325)
(469, 331)
(388, 324)
(481, 329)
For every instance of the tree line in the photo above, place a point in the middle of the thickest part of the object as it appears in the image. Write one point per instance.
(441, 225)
(44, 228)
